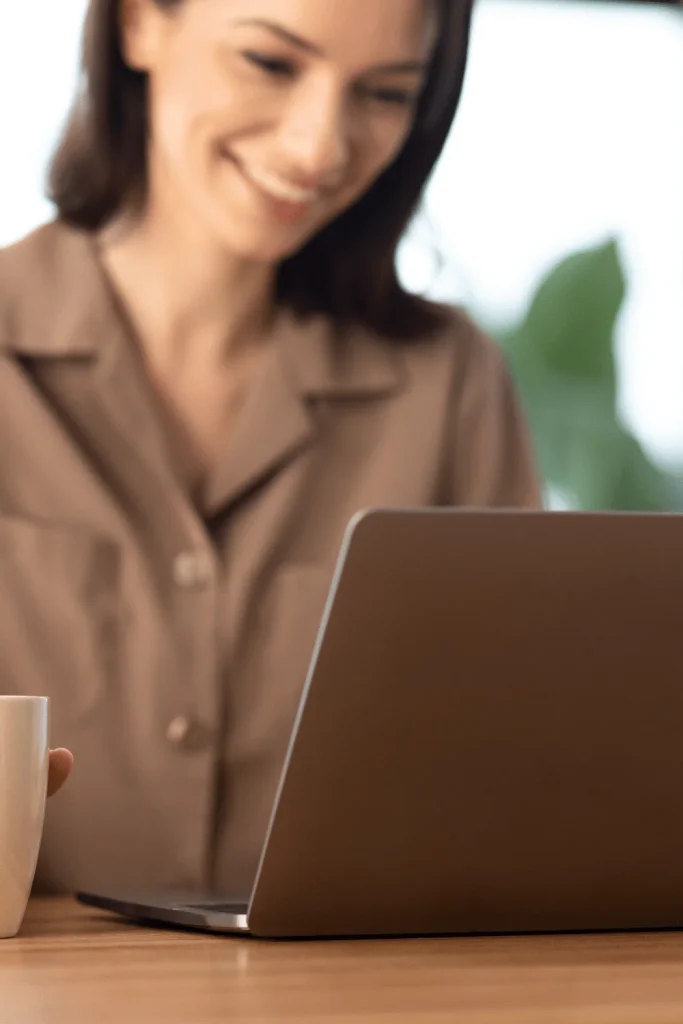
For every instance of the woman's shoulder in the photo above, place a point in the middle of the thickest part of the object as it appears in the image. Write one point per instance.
(36, 253)
(493, 453)
(459, 376)
(38, 274)
(464, 350)
(456, 356)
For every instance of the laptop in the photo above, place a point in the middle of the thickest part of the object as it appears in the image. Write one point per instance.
(490, 737)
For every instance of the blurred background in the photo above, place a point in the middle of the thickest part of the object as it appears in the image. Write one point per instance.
(555, 217)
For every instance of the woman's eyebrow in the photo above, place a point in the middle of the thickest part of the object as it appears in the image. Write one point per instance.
(282, 33)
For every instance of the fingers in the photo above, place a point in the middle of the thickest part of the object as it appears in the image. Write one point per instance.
(61, 762)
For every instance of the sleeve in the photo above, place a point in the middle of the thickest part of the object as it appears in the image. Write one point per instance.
(494, 463)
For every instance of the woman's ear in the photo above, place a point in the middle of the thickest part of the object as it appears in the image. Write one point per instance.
(140, 25)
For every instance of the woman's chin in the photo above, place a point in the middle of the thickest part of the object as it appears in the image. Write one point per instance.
(262, 246)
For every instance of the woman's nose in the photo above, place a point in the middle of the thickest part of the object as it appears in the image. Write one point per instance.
(314, 135)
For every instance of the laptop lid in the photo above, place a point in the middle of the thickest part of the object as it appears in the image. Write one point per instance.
(491, 733)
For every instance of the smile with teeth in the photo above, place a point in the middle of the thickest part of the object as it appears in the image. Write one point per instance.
(277, 188)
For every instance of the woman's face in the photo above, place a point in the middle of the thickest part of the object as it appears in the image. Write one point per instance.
(269, 118)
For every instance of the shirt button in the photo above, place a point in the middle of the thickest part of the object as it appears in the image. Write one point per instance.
(191, 569)
(186, 733)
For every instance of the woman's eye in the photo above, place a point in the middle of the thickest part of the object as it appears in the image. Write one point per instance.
(275, 66)
(390, 97)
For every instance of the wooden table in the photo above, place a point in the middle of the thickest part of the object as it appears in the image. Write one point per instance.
(77, 966)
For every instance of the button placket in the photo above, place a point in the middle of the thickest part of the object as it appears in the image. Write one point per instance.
(190, 728)
(194, 577)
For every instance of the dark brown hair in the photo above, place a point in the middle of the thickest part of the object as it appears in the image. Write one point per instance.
(348, 270)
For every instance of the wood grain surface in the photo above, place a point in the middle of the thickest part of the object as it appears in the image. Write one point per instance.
(71, 965)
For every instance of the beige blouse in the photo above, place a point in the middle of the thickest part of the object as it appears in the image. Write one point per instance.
(174, 640)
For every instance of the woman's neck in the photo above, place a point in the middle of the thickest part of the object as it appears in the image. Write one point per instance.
(189, 303)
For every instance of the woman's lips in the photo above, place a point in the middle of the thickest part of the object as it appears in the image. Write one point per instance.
(286, 200)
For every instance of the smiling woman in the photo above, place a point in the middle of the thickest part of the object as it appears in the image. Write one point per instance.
(273, 120)
(220, 371)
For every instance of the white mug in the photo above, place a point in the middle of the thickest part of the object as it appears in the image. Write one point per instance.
(24, 762)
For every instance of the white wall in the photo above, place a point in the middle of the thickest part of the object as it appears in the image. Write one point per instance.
(571, 129)
(39, 43)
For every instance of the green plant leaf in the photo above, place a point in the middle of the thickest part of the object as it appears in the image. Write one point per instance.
(562, 357)
(570, 324)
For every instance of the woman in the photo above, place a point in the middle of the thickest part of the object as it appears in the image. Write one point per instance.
(208, 365)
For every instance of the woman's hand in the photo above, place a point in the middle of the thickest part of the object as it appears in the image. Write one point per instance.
(61, 762)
